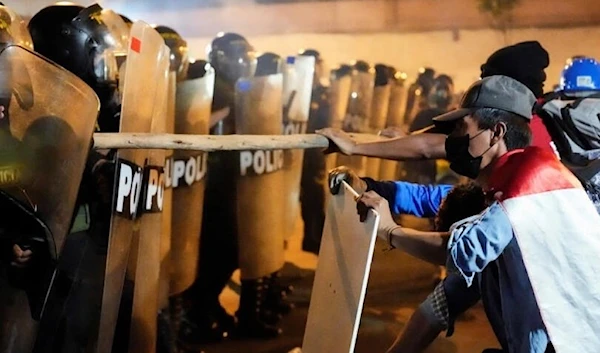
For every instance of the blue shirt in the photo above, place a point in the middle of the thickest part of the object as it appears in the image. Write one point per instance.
(484, 246)
(408, 198)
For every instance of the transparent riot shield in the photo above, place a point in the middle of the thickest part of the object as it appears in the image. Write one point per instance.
(413, 99)
(138, 105)
(14, 29)
(45, 137)
(358, 114)
(339, 91)
(258, 111)
(379, 111)
(193, 105)
(389, 170)
(146, 253)
(297, 88)
(165, 237)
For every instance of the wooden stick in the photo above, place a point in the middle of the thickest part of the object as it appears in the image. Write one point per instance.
(210, 143)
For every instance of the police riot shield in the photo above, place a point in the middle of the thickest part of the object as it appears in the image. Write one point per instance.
(165, 237)
(389, 170)
(413, 99)
(397, 105)
(339, 91)
(297, 88)
(138, 105)
(379, 110)
(146, 253)
(260, 213)
(358, 114)
(43, 149)
(14, 29)
(193, 105)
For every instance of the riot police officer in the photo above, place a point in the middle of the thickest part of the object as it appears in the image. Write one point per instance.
(205, 319)
(418, 93)
(312, 192)
(35, 218)
(90, 43)
(439, 99)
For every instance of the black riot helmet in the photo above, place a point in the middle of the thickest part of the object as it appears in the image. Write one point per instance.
(268, 64)
(418, 93)
(341, 71)
(383, 76)
(232, 56)
(179, 50)
(310, 52)
(426, 79)
(91, 43)
(442, 93)
(361, 66)
(197, 69)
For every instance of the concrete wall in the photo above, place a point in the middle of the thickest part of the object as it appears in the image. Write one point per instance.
(460, 57)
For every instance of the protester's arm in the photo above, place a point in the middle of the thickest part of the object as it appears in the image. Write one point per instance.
(479, 240)
(420, 200)
(412, 147)
(409, 198)
(428, 246)
(403, 197)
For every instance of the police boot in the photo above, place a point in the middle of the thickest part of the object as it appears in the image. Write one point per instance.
(176, 312)
(165, 340)
(249, 315)
(203, 324)
(269, 313)
(275, 300)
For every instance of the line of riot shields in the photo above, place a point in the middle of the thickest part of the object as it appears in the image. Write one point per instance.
(128, 251)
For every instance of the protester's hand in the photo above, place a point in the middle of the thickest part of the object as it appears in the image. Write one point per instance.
(339, 174)
(372, 200)
(392, 132)
(339, 141)
(20, 257)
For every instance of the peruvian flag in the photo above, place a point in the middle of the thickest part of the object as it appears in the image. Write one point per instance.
(558, 231)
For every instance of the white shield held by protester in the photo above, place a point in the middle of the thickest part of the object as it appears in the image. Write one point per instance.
(341, 277)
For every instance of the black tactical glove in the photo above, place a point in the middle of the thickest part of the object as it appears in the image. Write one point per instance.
(339, 174)
(24, 228)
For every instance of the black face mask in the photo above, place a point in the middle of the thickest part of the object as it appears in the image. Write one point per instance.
(461, 160)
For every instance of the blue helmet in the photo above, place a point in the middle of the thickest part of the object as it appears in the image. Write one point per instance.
(581, 74)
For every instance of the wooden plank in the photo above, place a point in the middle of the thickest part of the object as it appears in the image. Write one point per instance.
(210, 143)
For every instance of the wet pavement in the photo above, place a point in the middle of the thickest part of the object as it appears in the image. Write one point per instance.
(398, 283)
